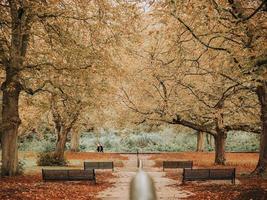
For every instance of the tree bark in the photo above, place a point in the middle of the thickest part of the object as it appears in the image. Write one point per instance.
(13, 61)
(220, 148)
(62, 126)
(200, 141)
(261, 168)
(10, 124)
(61, 143)
(220, 136)
(210, 140)
(1, 118)
(75, 141)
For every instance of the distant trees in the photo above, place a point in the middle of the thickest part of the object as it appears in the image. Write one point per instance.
(200, 141)
(65, 114)
(75, 140)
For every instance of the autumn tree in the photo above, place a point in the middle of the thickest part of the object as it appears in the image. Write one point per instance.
(184, 84)
(17, 18)
(33, 34)
(237, 29)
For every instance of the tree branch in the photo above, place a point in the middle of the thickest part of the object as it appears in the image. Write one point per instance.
(192, 125)
(197, 38)
(253, 13)
(244, 127)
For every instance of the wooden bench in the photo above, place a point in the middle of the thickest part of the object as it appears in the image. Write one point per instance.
(99, 165)
(209, 174)
(177, 164)
(68, 175)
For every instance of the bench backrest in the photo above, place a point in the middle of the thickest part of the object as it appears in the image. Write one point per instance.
(98, 165)
(67, 175)
(222, 173)
(177, 164)
(49, 174)
(196, 174)
(209, 174)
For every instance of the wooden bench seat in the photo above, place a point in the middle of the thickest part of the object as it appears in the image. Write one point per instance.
(209, 174)
(68, 175)
(177, 164)
(99, 165)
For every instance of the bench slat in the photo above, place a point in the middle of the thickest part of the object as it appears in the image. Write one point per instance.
(196, 174)
(222, 173)
(99, 165)
(55, 174)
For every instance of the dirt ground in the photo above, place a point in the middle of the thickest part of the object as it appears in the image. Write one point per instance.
(247, 187)
(243, 162)
(30, 186)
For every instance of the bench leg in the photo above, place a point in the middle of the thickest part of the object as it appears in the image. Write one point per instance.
(95, 180)
(233, 181)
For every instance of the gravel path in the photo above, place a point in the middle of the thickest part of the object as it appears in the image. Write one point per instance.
(120, 191)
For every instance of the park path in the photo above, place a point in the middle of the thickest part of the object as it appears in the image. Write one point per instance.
(120, 190)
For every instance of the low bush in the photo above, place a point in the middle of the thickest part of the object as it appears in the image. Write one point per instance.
(32, 142)
(242, 142)
(21, 166)
(49, 159)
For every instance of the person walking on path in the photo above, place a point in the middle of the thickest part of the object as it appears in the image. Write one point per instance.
(98, 147)
(101, 148)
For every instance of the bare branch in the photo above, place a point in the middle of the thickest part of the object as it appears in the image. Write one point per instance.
(197, 38)
(244, 127)
(192, 125)
(39, 89)
(253, 13)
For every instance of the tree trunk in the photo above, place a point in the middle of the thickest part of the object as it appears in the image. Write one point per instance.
(261, 168)
(61, 143)
(1, 119)
(220, 136)
(210, 140)
(75, 141)
(10, 125)
(220, 148)
(200, 141)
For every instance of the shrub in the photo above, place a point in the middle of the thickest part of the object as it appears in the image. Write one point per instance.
(49, 159)
(44, 143)
(241, 141)
(21, 166)
(48, 146)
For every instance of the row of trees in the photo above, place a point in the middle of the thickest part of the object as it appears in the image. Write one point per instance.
(199, 64)
(205, 68)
